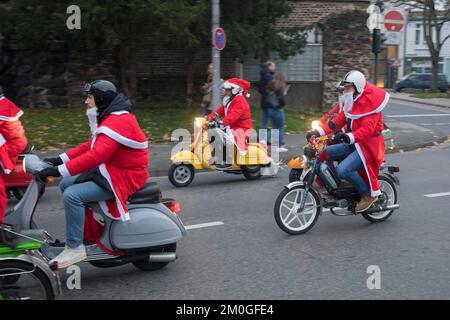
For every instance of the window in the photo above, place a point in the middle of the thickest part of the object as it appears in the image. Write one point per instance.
(418, 32)
(301, 67)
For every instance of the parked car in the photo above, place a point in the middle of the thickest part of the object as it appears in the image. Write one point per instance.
(420, 81)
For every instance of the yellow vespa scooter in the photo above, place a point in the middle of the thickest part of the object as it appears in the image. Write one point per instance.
(199, 156)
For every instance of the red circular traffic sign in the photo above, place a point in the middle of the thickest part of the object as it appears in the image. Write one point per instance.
(219, 39)
(394, 20)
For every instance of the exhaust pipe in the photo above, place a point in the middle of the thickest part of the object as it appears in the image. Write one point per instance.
(380, 208)
(162, 257)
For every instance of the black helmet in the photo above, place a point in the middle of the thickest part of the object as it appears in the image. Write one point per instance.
(103, 91)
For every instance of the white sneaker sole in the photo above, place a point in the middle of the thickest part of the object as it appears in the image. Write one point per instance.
(72, 262)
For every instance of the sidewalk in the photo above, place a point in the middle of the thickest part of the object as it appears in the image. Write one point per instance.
(437, 102)
(160, 152)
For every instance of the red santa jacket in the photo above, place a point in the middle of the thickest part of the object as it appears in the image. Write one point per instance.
(366, 126)
(237, 116)
(12, 135)
(119, 149)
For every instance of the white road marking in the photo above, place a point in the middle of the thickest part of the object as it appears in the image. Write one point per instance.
(435, 124)
(434, 195)
(418, 115)
(204, 225)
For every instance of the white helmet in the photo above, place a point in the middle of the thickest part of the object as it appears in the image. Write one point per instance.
(356, 78)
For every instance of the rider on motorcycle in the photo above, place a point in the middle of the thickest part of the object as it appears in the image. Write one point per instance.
(235, 114)
(12, 142)
(362, 152)
(107, 169)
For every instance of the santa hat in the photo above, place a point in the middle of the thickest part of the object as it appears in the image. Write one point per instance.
(237, 83)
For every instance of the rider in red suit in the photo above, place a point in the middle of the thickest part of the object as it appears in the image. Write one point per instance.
(362, 152)
(235, 113)
(12, 142)
(107, 169)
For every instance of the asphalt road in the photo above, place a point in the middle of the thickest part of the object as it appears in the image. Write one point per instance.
(415, 125)
(249, 257)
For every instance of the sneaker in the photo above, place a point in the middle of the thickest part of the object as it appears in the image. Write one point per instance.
(282, 149)
(366, 202)
(70, 256)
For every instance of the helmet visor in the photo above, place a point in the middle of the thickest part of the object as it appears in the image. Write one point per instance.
(88, 88)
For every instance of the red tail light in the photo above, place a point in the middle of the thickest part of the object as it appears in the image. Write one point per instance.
(394, 169)
(173, 206)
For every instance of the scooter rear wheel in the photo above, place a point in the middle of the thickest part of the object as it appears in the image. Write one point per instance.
(251, 172)
(389, 194)
(146, 265)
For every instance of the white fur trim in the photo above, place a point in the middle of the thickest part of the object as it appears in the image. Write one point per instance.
(118, 113)
(63, 171)
(64, 157)
(2, 140)
(373, 193)
(119, 138)
(12, 118)
(124, 215)
(321, 131)
(7, 171)
(352, 137)
(377, 110)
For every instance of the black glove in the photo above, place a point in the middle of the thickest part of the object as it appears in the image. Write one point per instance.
(332, 125)
(341, 137)
(54, 161)
(215, 124)
(49, 172)
(310, 134)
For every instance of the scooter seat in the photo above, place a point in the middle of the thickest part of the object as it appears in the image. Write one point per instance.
(150, 193)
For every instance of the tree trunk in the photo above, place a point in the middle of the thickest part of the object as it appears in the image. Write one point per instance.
(434, 72)
(128, 72)
(189, 80)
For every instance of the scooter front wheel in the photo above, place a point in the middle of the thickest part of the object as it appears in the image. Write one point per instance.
(181, 175)
(22, 281)
(287, 214)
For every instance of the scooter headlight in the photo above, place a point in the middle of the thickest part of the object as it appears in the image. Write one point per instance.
(315, 124)
(198, 122)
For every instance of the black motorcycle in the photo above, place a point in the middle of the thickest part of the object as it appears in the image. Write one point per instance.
(318, 188)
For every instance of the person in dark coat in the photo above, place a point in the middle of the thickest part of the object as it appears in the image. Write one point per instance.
(267, 74)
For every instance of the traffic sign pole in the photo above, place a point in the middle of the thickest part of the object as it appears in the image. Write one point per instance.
(215, 57)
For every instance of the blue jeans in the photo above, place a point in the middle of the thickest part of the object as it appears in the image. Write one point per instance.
(349, 164)
(277, 118)
(75, 196)
(264, 118)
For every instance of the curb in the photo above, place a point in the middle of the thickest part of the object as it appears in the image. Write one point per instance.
(421, 102)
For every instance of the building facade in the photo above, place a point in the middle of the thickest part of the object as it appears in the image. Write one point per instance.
(414, 53)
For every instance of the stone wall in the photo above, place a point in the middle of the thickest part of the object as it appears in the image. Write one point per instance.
(346, 44)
